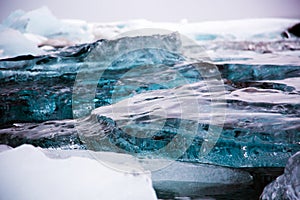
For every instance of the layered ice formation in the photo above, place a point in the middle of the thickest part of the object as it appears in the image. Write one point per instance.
(261, 108)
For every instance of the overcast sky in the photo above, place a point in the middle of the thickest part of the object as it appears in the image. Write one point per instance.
(158, 10)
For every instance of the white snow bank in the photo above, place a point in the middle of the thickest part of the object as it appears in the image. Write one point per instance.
(42, 28)
(27, 173)
(4, 147)
(42, 22)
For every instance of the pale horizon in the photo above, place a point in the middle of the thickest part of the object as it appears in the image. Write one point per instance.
(158, 11)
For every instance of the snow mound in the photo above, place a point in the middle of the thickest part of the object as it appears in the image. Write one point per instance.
(26, 173)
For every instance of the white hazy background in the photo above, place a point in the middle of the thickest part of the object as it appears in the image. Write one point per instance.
(158, 10)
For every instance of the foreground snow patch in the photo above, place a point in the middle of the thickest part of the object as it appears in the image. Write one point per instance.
(27, 173)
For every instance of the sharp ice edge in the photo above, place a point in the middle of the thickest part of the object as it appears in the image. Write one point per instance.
(286, 186)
